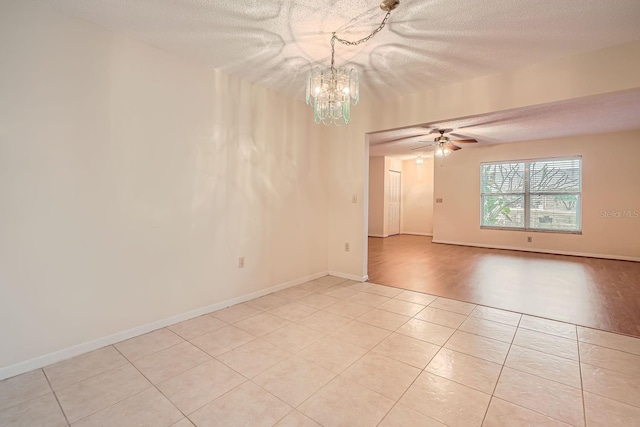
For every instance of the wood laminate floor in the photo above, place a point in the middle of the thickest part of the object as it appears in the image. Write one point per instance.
(598, 293)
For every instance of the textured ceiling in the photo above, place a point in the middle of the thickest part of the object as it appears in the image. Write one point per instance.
(590, 115)
(428, 43)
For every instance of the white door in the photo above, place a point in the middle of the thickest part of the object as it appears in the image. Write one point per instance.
(394, 203)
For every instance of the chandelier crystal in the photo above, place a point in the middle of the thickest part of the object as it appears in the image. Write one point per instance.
(332, 91)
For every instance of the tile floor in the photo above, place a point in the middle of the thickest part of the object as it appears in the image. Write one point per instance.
(332, 352)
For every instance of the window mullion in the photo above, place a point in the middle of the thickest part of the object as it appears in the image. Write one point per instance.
(527, 196)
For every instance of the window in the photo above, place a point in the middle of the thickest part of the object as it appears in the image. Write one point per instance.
(542, 194)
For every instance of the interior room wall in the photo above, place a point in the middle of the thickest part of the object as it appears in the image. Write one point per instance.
(376, 196)
(570, 77)
(417, 197)
(131, 182)
(610, 177)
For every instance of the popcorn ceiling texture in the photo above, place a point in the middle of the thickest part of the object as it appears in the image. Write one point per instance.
(427, 43)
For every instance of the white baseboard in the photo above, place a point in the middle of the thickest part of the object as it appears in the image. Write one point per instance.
(57, 356)
(417, 234)
(349, 276)
(542, 251)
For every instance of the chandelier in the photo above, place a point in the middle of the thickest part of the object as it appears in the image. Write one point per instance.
(332, 91)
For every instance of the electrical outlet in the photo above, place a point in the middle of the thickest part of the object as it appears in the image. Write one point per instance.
(241, 262)
(347, 247)
(529, 239)
(438, 200)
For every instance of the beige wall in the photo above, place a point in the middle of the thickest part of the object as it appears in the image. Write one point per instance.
(608, 70)
(376, 196)
(610, 181)
(417, 197)
(132, 181)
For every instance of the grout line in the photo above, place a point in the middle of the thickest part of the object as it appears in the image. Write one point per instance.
(584, 407)
(56, 396)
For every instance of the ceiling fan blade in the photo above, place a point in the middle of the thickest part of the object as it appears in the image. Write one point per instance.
(452, 147)
(422, 146)
(466, 141)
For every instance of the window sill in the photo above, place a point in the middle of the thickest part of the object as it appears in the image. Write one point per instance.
(531, 230)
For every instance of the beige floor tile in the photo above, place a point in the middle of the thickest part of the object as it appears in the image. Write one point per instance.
(222, 340)
(247, 405)
(609, 340)
(261, 324)
(254, 357)
(446, 401)
(361, 334)
(318, 301)
(332, 353)
(199, 326)
(42, 411)
(331, 280)
(607, 358)
(149, 408)
(489, 329)
(478, 346)
(195, 388)
(453, 305)
(383, 319)
(426, 331)
(466, 370)
(416, 297)
(293, 311)
(236, 313)
(87, 365)
(267, 302)
(385, 291)
(405, 308)
(294, 380)
(546, 343)
(564, 330)
(386, 376)
(161, 366)
(441, 317)
(544, 365)
(558, 401)
(324, 321)
(292, 294)
(403, 416)
(147, 344)
(297, 419)
(19, 389)
(624, 388)
(502, 414)
(96, 393)
(183, 423)
(496, 315)
(315, 286)
(345, 403)
(603, 412)
(348, 309)
(293, 337)
(405, 349)
(361, 286)
(341, 292)
(372, 300)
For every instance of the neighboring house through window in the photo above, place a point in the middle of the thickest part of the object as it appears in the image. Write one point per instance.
(537, 195)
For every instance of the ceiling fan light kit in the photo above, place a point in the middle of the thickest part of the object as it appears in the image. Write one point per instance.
(332, 91)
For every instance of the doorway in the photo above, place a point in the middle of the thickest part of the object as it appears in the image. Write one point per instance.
(395, 192)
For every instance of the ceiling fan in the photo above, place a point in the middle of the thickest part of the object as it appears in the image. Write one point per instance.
(443, 144)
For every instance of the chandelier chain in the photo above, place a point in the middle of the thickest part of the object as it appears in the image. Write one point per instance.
(335, 38)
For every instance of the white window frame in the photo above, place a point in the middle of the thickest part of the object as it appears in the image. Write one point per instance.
(527, 197)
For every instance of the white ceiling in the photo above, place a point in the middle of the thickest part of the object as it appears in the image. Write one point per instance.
(428, 43)
(590, 115)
